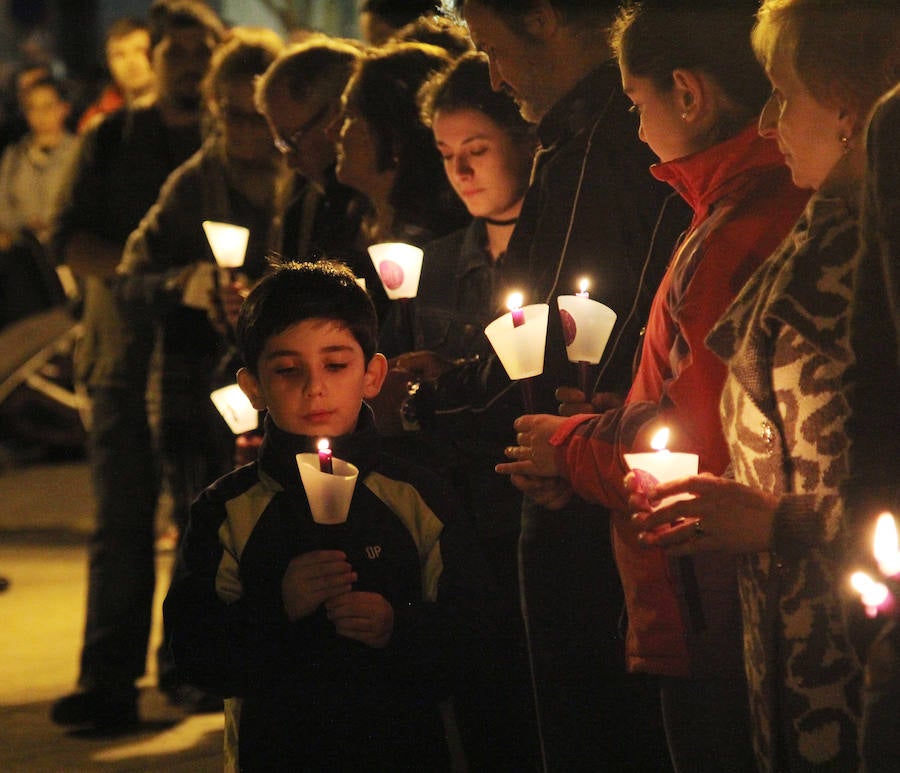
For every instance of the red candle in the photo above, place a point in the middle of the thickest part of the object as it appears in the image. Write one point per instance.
(514, 304)
(325, 456)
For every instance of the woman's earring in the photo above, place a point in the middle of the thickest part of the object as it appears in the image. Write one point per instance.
(845, 144)
(684, 115)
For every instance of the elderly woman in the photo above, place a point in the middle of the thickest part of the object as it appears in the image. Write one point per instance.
(784, 408)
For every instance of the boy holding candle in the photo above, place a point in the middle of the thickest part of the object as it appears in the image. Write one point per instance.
(333, 659)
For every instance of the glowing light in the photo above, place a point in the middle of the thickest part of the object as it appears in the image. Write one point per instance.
(660, 440)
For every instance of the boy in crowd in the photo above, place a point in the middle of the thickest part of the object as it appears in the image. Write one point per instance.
(335, 642)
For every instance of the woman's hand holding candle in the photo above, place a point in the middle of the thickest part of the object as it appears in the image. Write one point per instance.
(735, 518)
(533, 456)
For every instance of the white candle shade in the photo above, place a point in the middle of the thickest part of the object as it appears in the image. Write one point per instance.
(586, 326)
(228, 242)
(329, 494)
(521, 349)
(399, 266)
(664, 466)
(235, 407)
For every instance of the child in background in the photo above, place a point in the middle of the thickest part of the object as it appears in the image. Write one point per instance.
(338, 656)
(33, 170)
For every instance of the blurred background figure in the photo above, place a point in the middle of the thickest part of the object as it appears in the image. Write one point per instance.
(300, 97)
(440, 31)
(122, 163)
(387, 153)
(379, 20)
(34, 169)
(14, 125)
(873, 485)
(168, 272)
(128, 63)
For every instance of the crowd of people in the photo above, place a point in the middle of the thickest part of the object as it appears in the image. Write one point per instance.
(502, 592)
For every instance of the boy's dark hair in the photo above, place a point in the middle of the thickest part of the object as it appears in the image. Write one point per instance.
(653, 38)
(297, 291)
(167, 15)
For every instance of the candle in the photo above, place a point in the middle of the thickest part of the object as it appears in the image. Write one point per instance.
(325, 456)
(228, 243)
(664, 465)
(235, 407)
(399, 267)
(329, 491)
(884, 547)
(874, 595)
(514, 304)
(586, 326)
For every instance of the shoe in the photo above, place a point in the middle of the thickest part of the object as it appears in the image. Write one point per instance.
(193, 699)
(100, 709)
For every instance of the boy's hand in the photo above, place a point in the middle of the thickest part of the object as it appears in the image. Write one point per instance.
(313, 578)
(366, 617)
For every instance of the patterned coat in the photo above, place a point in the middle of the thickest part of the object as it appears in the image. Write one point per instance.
(785, 340)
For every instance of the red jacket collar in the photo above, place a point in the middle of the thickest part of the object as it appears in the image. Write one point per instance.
(705, 177)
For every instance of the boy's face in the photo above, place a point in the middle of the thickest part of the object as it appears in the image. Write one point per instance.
(312, 379)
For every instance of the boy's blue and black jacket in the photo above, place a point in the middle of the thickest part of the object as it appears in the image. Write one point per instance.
(312, 699)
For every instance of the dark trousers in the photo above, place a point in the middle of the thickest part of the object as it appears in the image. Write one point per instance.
(708, 724)
(122, 563)
(591, 715)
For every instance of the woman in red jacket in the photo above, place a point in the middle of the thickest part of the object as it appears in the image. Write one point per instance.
(698, 90)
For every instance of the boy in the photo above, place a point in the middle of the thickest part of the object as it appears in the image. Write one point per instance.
(338, 655)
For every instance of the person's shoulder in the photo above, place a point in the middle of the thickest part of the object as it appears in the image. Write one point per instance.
(230, 486)
(434, 490)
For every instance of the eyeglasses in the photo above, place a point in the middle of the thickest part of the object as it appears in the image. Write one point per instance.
(292, 143)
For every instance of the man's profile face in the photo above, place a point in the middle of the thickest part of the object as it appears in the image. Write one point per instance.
(311, 150)
(516, 65)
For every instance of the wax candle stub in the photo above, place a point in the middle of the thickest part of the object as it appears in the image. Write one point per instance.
(514, 304)
(325, 463)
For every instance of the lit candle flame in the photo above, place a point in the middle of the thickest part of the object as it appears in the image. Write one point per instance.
(873, 594)
(885, 545)
(583, 285)
(514, 301)
(660, 440)
(323, 444)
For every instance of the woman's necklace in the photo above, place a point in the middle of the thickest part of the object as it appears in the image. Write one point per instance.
(491, 221)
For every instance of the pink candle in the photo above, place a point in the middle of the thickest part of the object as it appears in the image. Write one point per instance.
(514, 304)
(325, 456)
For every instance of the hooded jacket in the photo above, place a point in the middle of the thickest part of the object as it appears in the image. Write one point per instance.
(743, 203)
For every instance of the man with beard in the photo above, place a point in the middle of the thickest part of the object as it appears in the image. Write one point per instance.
(122, 164)
(593, 211)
